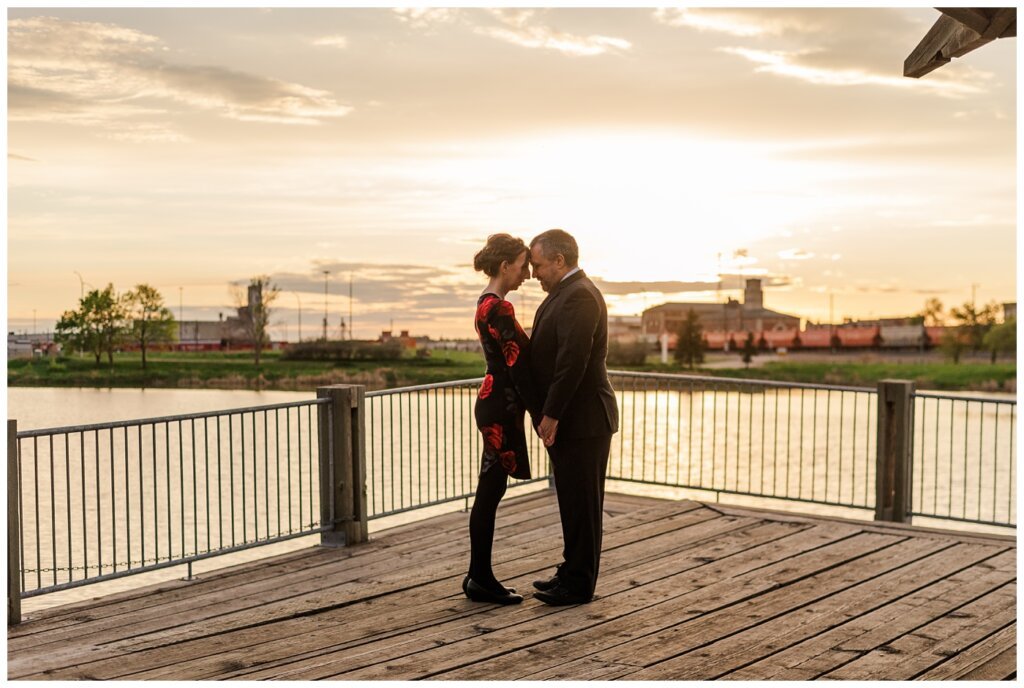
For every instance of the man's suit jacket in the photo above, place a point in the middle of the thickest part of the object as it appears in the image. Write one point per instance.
(568, 347)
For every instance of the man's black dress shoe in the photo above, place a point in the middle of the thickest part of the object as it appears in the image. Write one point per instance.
(559, 596)
(549, 583)
(479, 593)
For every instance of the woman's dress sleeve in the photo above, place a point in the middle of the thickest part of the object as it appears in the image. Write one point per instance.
(514, 345)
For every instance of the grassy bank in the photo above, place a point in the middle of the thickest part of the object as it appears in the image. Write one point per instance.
(1000, 377)
(236, 371)
(216, 370)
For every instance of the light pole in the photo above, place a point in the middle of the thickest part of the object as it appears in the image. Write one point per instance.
(33, 321)
(300, 314)
(974, 288)
(81, 285)
(350, 305)
(326, 273)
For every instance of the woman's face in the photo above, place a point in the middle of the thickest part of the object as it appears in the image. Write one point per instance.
(518, 271)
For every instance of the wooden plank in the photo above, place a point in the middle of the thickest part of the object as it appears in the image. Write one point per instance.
(498, 619)
(666, 600)
(828, 650)
(659, 652)
(722, 656)
(583, 670)
(386, 579)
(336, 565)
(373, 629)
(926, 645)
(736, 582)
(406, 537)
(346, 587)
(868, 526)
(993, 659)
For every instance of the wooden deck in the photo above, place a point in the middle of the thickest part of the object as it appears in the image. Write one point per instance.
(687, 591)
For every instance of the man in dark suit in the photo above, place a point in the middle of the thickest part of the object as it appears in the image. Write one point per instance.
(569, 344)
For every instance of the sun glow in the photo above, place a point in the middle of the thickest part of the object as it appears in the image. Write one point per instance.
(650, 205)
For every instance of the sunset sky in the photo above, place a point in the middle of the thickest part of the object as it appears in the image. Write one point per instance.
(193, 148)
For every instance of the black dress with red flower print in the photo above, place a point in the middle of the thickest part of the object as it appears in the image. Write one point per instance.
(507, 391)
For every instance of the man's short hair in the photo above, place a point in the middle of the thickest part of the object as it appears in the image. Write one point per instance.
(555, 241)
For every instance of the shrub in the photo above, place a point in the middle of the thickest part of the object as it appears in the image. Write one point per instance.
(627, 353)
(343, 351)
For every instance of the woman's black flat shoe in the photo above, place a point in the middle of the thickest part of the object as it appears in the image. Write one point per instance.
(511, 591)
(478, 593)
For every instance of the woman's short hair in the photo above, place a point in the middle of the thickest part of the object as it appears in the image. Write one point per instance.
(499, 248)
(555, 241)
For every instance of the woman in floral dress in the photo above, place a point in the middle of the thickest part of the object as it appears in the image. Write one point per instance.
(504, 397)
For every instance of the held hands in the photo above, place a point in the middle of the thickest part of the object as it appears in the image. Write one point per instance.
(547, 430)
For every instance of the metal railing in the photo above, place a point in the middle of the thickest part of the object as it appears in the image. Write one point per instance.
(964, 453)
(96, 502)
(423, 447)
(785, 440)
(107, 500)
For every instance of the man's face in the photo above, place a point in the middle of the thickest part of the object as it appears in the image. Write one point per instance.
(546, 270)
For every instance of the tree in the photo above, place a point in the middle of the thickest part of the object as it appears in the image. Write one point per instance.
(762, 344)
(975, 322)
(1002, 338)
(933, 314)
(150, 320)
(98, 326)
(953, 344)
(261, 295)
(690, 341)
(749, 349)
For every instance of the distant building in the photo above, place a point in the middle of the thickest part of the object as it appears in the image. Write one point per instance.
(403, 338)
(223, 333)
(31, 345)
(751, 315)
(625, 327)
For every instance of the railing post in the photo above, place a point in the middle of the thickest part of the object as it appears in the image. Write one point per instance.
(894, 451)
(343, 464)
(13, 526)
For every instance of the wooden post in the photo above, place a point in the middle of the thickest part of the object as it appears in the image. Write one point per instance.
(13, 526)
(894, 459)
(343, 455)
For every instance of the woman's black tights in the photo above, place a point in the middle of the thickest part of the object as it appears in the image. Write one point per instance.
(489, 491)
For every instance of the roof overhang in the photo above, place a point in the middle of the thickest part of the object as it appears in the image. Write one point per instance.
(957, 32)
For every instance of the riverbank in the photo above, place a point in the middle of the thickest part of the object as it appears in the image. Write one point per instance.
(215, 370)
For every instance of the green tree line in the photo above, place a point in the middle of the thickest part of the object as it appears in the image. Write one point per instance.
(106, 321)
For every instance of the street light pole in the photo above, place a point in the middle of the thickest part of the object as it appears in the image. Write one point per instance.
(350, 305)
(300, 314)
(326, 273)
(81, 285)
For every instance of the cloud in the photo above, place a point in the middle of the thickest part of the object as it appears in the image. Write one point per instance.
(795, 254)
(842, 47)
(792, 65)
(336, 41)
(97, 74)
(516, 26)
(721, 21)
(426, 17)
